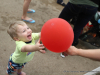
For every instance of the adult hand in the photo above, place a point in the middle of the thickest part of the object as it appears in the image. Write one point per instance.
(72, 50)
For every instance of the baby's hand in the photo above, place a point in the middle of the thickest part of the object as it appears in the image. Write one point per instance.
(39, 46)
(42, 51)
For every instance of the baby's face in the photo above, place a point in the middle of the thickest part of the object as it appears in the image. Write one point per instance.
(24, 33)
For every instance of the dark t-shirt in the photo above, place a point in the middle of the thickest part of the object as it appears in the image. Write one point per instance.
(96, 1)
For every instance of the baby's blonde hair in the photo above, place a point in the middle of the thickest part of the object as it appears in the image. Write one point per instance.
(12, 30)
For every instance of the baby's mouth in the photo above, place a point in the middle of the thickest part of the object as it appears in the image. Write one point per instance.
(29, 36)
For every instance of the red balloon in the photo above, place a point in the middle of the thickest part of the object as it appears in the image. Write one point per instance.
(57, 35)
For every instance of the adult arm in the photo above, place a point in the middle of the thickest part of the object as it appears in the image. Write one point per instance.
(88, 53)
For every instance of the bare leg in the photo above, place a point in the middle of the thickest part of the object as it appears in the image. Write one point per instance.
(19, 72)
(25, 9)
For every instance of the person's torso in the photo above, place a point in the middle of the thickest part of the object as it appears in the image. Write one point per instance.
(85, 2)
(22, 57)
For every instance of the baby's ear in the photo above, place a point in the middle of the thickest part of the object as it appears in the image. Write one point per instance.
(15, 38)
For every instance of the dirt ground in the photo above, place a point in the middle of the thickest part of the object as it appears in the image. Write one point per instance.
(42, 64)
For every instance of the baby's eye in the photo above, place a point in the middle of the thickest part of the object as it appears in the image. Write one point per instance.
(23, 30)
(28, 28)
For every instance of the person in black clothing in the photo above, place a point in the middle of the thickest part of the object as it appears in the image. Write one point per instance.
(84, 9)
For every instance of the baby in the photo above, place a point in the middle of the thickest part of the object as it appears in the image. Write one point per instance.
(25, 47)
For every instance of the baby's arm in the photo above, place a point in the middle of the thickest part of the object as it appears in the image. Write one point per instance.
(89, 53)
(39, 34)
(32, 48)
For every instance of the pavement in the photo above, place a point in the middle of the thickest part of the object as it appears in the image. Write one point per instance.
(49, 63)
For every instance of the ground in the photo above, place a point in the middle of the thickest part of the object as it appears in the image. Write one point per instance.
(42, 64)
